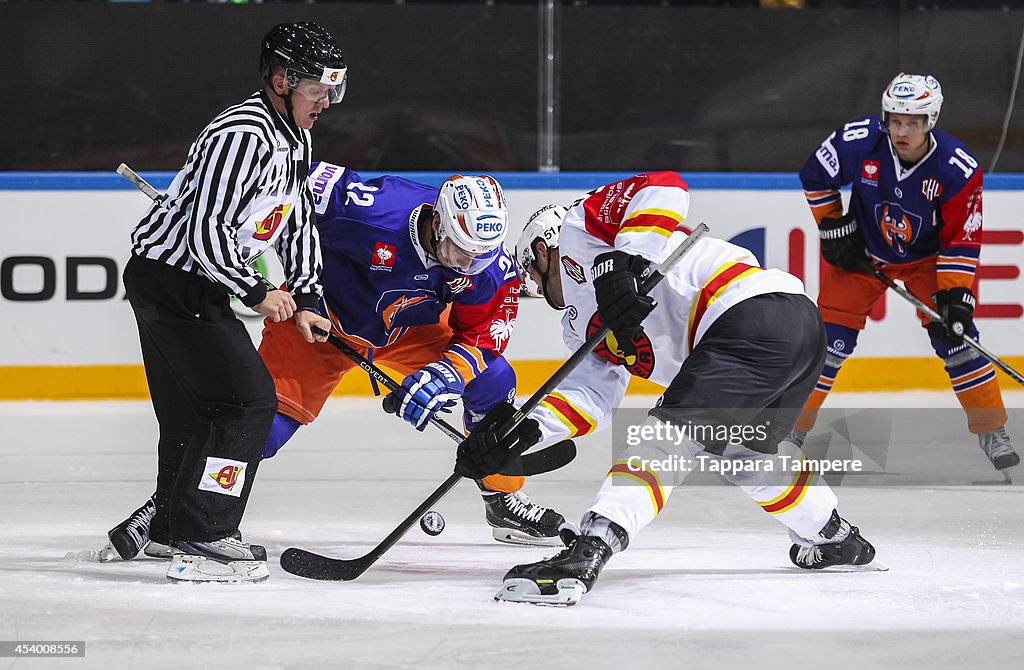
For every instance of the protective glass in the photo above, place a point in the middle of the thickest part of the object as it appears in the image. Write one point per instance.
(453, 257)
(330, 89)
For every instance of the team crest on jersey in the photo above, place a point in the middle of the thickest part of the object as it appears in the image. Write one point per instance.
(931, 188)
(637, 355)
(574, 270)
(899, 227)
(869, 172)
(459, 284)
(383, 257)
(265, 228)
(403, 303)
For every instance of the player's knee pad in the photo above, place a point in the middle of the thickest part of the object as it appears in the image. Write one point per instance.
(494, 385)
(280, 432)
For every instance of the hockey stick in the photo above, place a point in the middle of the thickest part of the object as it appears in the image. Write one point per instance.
(140, 183)
(316, 566)
(536, 463)
(928, 311)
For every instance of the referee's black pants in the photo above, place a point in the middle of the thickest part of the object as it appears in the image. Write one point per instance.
(755, 366)
(213, 397)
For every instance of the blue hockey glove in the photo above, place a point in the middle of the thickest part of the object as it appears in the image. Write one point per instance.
(431, 389)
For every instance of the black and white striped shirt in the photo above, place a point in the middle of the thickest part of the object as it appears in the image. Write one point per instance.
(243, 189)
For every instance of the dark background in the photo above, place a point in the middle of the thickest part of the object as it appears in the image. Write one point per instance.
(454, 86)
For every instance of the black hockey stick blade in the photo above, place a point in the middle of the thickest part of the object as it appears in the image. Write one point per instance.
(306, 564)
(547, 459)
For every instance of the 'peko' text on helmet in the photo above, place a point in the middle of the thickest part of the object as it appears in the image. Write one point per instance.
(912, 94)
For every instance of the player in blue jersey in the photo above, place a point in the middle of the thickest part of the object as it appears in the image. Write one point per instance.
(915, 212)
(415, 278)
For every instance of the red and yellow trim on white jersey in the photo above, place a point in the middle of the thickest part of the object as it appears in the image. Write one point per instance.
(720, 281)
(648, 479)
(664, 222)
(577, 421)
(793, 494)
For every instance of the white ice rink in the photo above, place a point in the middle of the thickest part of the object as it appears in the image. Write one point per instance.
(708, 585)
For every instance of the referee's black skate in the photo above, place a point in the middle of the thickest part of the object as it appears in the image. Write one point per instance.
(129, 537)
(561, 579)
(838, 545)
(515, 519)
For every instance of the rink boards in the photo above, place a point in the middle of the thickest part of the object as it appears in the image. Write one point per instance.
(66, 331)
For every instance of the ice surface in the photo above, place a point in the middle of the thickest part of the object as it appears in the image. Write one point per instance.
(708, 585)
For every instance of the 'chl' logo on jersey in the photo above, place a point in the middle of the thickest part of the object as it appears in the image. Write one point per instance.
(637, 355)
(869, 172)
(265, 228)
(899, 227)
(931, 188)
(459, 284)
(574, 270)
(383, 257)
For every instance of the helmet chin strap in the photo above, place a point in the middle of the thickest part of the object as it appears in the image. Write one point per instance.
(287, 97)
(544, 278)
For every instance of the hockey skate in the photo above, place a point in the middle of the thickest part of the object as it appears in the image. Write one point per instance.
(128, 538)
(838, 545)
(515, 519)
(227, 561)
(996, 445)
(562, 579)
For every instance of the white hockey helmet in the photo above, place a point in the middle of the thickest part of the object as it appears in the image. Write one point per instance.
(543, 225)
(912, 94)
(474, 222)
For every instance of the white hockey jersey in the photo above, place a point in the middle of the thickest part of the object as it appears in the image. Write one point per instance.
(642, 215)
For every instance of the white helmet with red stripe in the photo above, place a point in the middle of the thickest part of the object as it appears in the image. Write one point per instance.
(474, 218)
(912, 94)
(544, 226)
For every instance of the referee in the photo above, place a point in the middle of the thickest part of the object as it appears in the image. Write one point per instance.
(242, 190)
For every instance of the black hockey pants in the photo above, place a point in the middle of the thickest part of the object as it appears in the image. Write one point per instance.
(755, 366)
(213, 397)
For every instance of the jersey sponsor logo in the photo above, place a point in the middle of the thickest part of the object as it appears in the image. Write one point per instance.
(321, 181)
(637, 355)
(383, 257)
(827, 156)
(421, 277)
(265, 229)
(899, 227)
(869, 172)
(459, 284)
(931, 188)
(574, 270)
(501, 328)
(972, 223)
(224, 476)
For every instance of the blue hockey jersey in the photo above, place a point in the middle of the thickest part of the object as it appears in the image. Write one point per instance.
(379, 281)
(906, 214)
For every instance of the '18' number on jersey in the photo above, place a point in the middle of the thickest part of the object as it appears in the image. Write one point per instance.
(967, 164)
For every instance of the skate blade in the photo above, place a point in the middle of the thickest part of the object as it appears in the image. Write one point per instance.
(570, 592)
(513, 536)
(201, 570)
(874, 566)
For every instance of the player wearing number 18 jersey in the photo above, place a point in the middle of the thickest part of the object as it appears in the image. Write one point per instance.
(915, 212)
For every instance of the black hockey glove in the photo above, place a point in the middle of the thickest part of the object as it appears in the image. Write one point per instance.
(485, 453)
(842, 243)
(956, 307)
(617, 287)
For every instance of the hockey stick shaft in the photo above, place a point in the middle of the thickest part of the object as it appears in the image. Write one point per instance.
(934, 316)
(140, 183)
(315, 566)
(551, 458)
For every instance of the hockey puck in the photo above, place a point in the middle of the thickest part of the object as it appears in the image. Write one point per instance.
(432, 523)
